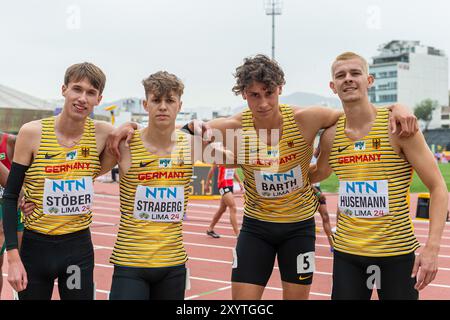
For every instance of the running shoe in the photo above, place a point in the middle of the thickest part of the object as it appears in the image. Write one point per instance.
(212, 234)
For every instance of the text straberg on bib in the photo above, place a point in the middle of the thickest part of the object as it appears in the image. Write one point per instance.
(159, 203)
(68, 197)
(364, 199)
(273, 185)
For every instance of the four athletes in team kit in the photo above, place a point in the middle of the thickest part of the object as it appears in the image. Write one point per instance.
(57, 158)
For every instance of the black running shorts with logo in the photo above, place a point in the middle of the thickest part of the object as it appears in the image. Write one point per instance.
(354, 277)
(68, 258)
(224, 190)
(260, 242)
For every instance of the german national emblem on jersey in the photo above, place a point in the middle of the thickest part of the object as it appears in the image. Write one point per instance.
(290, 144)
(72, 155)
(85, 152)
(360, 145)
(376, 143)
(2, 156)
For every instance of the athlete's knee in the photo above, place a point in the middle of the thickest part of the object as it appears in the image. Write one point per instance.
(293, 291)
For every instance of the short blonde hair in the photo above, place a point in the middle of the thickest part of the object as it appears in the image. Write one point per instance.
(348, 56)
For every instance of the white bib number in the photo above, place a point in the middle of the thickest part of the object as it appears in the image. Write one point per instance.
(274, 185)
(364, 199)
(306, 262)
(68, 197)
(159, 204)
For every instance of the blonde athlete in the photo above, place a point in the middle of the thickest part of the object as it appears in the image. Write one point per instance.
(56, 159)
(375, 235)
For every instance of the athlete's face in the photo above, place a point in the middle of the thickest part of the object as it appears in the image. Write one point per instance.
(350, 80)
(80, 98)
(262, 101)
(162, 110)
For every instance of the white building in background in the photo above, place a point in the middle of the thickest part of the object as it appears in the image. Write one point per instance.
(132, 109)
(408, 72)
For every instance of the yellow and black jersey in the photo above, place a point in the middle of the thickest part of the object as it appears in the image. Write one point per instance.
(277, 187)
(373, 198)
(153, 200)
(60, 182)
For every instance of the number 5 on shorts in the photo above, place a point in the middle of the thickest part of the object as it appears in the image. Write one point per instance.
(305, 262)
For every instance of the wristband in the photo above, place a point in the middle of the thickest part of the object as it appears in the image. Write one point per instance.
(187, 129)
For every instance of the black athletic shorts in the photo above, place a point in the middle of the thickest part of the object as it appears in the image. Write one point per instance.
(130, 283)
(354, 277)
(224, 190)
(68, 258)
(260, 241)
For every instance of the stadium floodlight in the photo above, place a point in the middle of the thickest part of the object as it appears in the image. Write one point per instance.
(273, 8)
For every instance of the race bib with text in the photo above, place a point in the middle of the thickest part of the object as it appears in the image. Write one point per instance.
(364, 199)
(273, 185)
(68, 197)
(159, 203)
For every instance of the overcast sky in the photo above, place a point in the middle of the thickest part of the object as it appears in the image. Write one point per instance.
(201, 41)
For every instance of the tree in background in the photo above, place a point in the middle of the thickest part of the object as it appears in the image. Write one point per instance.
(424, 111)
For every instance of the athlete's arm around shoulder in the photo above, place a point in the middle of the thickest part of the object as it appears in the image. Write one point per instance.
(102, 131)
(107, 159)
(417, 153)
(226, 126)
(27, 142)
(322, 169)
(311, 119)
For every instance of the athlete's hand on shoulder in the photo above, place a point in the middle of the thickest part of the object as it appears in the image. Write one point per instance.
(425, 267)
(124, 132)
(200, 128)
(17, 276)
(241, 186)
(402, 121)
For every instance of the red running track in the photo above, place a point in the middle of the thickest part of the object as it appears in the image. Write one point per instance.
(210, 259)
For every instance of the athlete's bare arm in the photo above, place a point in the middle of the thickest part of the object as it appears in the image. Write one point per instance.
(209, 178)
(125, 159)
(311, 119)
(3, 175)
(26, 148)
(322, 169)
(11, 143)
(417, 153)
(27, 143)
(210, 152)
(102, 131)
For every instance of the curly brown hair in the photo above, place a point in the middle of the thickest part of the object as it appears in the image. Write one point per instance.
(162, 84)
(259, 68)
